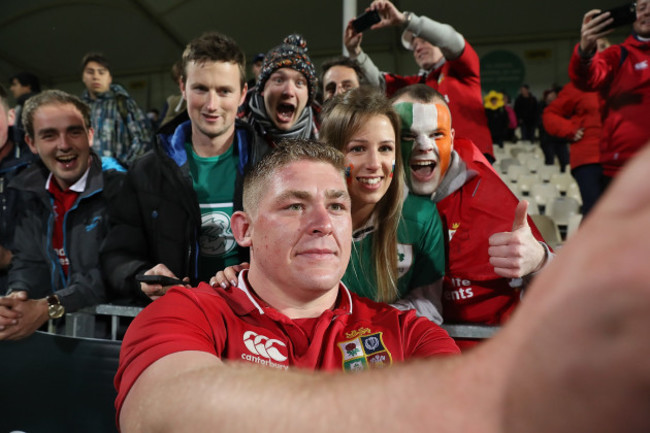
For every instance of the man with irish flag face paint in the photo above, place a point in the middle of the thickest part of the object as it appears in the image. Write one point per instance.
(427, 143)
(492, 243)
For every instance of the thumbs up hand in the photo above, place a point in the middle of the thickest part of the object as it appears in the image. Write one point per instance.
(516, 253)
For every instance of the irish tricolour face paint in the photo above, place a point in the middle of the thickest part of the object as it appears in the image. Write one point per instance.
(427, 141)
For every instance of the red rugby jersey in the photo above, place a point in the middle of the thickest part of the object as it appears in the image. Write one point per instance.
(233, 324)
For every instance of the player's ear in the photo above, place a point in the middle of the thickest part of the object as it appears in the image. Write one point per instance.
(242, 229)
(453, 134)
(243, 94)
(11, 117)
(30, 143)
(181, 85)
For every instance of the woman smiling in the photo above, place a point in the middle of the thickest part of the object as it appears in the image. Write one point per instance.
(398, 253)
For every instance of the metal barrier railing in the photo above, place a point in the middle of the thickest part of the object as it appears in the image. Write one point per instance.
(82, 323)
(470, 331)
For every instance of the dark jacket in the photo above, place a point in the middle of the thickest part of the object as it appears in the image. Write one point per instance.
(498, 123)
(526, 109)
(14, 162)
(35, 266)
(159, 219)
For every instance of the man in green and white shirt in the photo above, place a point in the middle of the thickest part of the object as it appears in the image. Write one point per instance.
(178, 198)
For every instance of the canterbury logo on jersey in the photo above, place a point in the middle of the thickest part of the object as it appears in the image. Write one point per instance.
(264, 350)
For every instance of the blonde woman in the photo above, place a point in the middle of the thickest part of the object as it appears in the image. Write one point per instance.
(398, 252)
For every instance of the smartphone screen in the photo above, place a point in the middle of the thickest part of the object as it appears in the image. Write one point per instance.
(623, 15)
(364, 21)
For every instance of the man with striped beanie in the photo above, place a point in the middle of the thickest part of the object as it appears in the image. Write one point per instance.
(282, 105)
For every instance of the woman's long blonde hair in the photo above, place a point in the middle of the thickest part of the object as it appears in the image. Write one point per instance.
(342, 117)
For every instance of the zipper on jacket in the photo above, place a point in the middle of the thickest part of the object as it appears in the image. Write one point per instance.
(4, 204)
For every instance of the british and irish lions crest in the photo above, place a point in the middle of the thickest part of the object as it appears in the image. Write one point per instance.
(365, 351)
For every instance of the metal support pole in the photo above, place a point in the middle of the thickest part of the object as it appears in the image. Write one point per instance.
(349, 12)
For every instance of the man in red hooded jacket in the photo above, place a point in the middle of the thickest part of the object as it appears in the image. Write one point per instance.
(621, 74)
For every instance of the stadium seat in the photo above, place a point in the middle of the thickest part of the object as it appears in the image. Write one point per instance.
(573, 191)
(574, 224)
(533, 207)
(505, 163)
(548, 229)
(543, 193)
(562, 181)
(546, 171)
(515, 171)
(561, 208)
(526, 183)
(534, 163)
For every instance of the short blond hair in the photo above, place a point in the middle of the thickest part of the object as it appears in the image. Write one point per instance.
(287, 152)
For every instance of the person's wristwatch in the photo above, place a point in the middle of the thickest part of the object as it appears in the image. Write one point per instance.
(54, 308)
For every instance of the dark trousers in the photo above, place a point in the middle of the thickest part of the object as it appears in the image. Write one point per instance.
(528, 131)
(590, 181)
(551, 148)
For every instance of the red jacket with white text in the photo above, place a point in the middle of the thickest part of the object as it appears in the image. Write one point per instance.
(484, 205)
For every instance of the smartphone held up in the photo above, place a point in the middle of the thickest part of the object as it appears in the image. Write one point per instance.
(622, 15)
(366, 20)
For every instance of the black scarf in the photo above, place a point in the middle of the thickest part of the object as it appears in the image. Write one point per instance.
(303, 128)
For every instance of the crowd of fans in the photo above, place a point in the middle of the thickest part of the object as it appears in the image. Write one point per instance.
(98, 208)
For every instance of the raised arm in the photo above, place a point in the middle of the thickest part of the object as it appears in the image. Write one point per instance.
(589, 70)
(548, 369)
(352, 41)
(206, 395)
(593, 28)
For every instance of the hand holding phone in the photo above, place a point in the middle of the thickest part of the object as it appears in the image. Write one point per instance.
(159, 279)
(366, 20)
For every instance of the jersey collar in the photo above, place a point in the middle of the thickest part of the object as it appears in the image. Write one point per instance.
(343, 306)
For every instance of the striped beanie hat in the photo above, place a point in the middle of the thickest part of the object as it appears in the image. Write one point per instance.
(291, 53)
